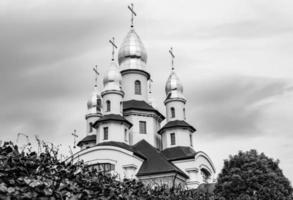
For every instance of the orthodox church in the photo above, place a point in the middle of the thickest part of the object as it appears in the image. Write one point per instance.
(128, 137)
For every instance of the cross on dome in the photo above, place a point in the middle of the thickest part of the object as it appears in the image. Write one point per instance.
(74, 136)
(95, 69)
(112, 42)
(132, 13)
(172, 57)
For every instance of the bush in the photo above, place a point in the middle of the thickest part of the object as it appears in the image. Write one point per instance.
(42, 176)
(252, 176)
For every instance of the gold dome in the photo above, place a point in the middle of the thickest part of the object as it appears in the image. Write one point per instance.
(174, 87)
(132, 47)
(112, 79)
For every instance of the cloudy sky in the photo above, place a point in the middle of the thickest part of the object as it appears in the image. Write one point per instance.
(234, 58)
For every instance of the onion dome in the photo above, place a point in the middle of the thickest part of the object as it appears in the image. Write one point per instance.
(94, 103)
(132, 53)
(174, 87)
(112, 80)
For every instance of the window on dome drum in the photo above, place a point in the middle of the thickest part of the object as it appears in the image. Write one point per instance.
(190, 137)
(137, 87)
(142, 127)
(91, 127)
(172, 112)
(98, 108)
(108, 106)
(106, 133)
(184, 114)
(125, 135)
(172, 135)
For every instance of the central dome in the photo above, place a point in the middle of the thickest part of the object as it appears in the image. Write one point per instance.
(132, 47)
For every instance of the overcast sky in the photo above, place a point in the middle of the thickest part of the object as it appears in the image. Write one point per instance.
(234, 58)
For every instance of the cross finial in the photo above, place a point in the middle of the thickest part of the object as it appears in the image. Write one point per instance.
(74, 136)
(132, 13)
(150, 85)
(172, 57)
(112, 42)
(96, 75)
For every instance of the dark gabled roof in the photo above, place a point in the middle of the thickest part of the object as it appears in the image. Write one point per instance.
(176, 124)
(112, 117)
(88, 138)
(179, 153)
(155, 162)
(123, 146)
(140, 105)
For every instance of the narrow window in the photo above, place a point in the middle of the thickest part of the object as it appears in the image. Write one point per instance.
(190, 137)
(106, 133)
(172, 112)
(98, 108)
(142, 127)
(121, 107)
(91, 127)
(172, 138)
(137, 87)
(125, 135)
(184, 113)
(108, 106)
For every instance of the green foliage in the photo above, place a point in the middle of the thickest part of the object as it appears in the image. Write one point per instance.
(42, 176)
(252, 176)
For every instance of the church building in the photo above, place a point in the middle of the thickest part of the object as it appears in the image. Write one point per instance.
(128, 137)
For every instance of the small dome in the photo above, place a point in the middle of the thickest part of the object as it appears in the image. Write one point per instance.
(174, 87)
(94, 100)
(112, 79)
(132, 47)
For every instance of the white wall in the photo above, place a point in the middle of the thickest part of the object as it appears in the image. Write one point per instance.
(181, 137)
(152, 126)
(179, 113)
(91, 119)
(128, 86)
(121, 158)
(115, 132)
(116, 106)
(192, 167)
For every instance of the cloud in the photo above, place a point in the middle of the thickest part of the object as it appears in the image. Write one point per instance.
(233, 106)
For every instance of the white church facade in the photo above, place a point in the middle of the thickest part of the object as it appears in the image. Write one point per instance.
(128, 137)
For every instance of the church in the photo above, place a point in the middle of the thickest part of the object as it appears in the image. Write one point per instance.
(127, 137)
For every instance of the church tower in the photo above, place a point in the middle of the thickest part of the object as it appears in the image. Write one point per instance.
(176, 132)
(112, 126)
(132, 59)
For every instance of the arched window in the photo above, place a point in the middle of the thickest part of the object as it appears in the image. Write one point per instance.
(172, 112)
(205, 175)
(137, 87)
(184, 115)
(108, 106)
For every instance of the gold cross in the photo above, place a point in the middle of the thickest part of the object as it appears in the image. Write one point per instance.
(112, 42)
(132, 13)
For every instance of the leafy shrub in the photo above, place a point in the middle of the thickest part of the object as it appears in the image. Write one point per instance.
(42, 176)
